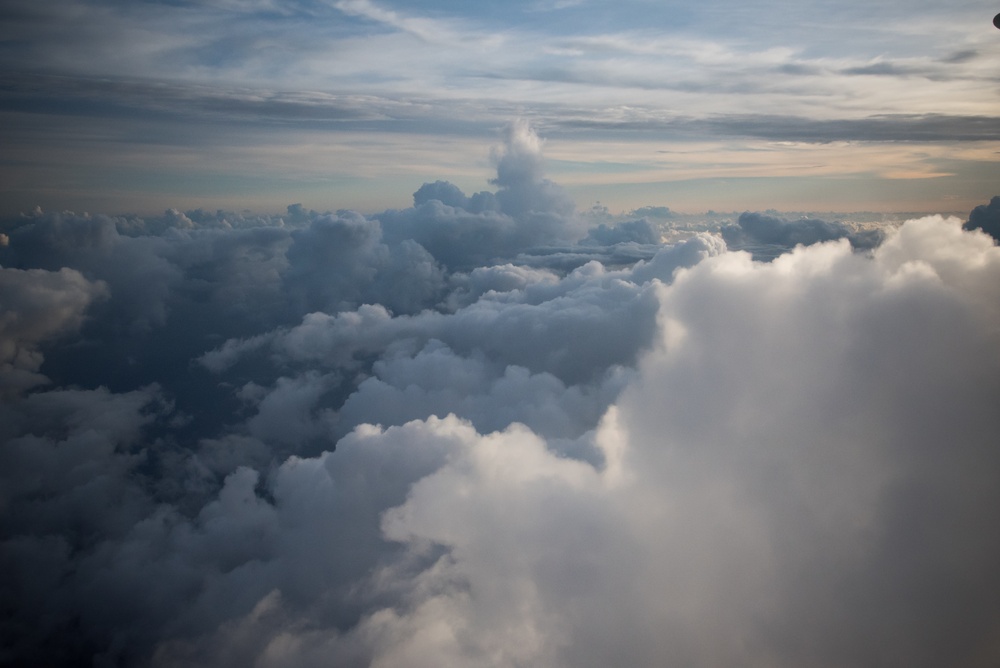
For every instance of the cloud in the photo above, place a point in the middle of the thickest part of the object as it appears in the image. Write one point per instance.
(527, 210)
(790, 479)
(38, 306)
(71, 462)
(900, 127)
(435, 380)
(339, 262)
(769, 235)
(454, 434)
(986, 217)
(575, 328)
(93, 246)
(653, 212)
(428, 30)
(568, 332)
(636, 231)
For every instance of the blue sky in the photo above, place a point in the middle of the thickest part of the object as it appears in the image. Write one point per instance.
(140, 106)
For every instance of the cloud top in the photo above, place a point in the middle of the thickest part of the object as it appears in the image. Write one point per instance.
(453, 435)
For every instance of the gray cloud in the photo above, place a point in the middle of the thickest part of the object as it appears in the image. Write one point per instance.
(196, 114)
(340, 261)
(636, 231)
(986, 217)
(767, 236)
(891, 127)
(963, 56)
(780, 484)
(462, 232)
(124, 97)
(38, 306)
(455, 435)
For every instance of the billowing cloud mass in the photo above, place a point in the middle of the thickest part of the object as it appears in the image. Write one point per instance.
(986, 217)
(473, 432)
(769, 236)
(37, 305)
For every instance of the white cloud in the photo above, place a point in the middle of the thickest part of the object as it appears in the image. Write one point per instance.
(794, 477)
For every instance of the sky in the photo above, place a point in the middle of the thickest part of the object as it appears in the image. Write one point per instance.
(317, 349)
(143, 106)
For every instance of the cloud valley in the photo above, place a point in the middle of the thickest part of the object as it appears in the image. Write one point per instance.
(477, 431)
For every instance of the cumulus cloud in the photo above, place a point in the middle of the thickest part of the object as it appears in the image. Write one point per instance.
(340, 261)
(461, 232)
(789, 480)
(523, 188)
(71, 465)
(986, 217)
(454, 435)
(636, 231)
(38, 305)
(569, 327)
(770, 235)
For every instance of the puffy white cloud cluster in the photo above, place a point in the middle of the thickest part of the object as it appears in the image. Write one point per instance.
(331, 439)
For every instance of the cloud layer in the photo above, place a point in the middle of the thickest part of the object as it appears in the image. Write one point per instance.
(474, 432)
